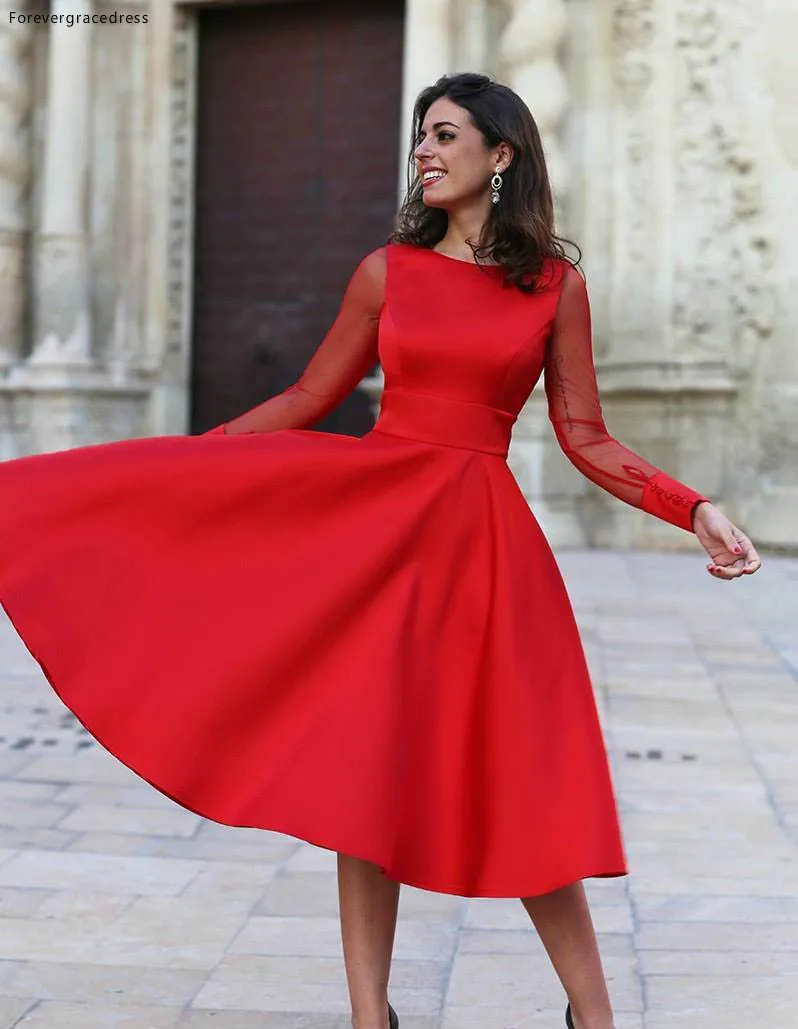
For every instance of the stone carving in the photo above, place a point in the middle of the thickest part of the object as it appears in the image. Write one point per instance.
(62, 310)
(634, 29)
(181, 190)
(527, 59)
(15, 175)
(633, 33)
(634, 24)
(529, 64)
(723, 250)
(780, 30)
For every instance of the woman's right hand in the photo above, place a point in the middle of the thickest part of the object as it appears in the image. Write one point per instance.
(732, 552)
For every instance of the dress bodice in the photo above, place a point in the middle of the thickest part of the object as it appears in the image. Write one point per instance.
(461, 351)
(453, 329)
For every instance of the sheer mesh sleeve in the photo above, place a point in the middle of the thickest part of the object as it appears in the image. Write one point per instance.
(345, 355)
(575, 413)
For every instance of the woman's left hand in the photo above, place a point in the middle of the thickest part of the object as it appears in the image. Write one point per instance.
(732, 552)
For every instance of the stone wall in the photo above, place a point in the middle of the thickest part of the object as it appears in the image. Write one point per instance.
(672, 138)
(679, 187)
(74, 119)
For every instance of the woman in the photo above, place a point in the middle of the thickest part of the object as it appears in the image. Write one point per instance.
(367, 643)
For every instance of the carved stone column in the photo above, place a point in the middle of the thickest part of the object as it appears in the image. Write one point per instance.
(528, 62)
(62, 316)
(472, 35)
(641, 159)
(15, 172)
(692, 299)
(428, 54)
(768, 408)
(679, 245)
(172, 30)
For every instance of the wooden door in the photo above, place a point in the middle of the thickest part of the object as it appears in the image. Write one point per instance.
(297, 165)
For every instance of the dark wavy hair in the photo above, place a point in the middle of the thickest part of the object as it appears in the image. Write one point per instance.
(519, 233)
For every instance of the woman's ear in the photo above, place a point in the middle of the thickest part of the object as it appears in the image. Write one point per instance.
(506, 154)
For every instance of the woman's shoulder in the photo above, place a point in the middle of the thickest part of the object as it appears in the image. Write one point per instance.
(366, 287)
(551, 275)
(563, 275)
(372, 270)
(558, 266)
(376, 258)
(372, 266)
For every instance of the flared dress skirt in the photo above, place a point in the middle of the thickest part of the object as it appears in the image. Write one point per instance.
(364, 643)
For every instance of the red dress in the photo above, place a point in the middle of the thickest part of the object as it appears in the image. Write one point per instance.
(365, 643)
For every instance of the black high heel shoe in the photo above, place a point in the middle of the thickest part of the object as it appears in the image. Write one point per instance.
(393, 1018)
(568, 1019)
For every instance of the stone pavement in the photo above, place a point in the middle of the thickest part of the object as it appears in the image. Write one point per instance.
(118, 908)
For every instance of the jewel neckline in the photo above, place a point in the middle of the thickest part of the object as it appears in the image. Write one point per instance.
(457, 260)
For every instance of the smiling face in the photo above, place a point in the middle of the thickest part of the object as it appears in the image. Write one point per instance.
(451, 158)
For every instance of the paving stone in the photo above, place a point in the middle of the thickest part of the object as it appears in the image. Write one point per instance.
(234, 987)
(525, 941)
(232, 881)
(12, 763)
(67, 905)
(150, 933)
(118, 907)
(113, 796)
(83, 983)
(22, 814)
(100, 872)
(301, 936)
(52, 1014)
(11, 789)
(12, 1010)
(172, 847)
(302, 893)
(717, 963)
(496, 913)
(16, 901)
(718, 936)
(92, 766)
(523, 1015)
(198, 1018)
(490, 980)
(139, 821)
(276, 983)
(722, 1002)
(656, 908)
(775, 885)
(312, 859)
(42, 839)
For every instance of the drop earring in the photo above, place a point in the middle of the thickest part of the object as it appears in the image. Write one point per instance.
(496, 183)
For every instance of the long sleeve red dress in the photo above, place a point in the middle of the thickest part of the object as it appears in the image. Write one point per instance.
(365, 643)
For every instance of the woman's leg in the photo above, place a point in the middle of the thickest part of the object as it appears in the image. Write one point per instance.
(368, 905)
(563, 922)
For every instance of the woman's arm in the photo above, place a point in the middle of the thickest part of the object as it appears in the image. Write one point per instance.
(575, 413)
(345, 355)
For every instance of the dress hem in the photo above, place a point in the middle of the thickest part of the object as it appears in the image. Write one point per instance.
(393, 874)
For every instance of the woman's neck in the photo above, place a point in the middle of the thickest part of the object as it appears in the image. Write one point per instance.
(464, 230)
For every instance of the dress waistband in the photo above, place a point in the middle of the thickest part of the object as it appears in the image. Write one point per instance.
(453, 423)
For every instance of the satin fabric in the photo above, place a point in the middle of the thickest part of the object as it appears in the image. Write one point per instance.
(365, 643)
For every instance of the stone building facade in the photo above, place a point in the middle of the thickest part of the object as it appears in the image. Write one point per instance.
(179, 213)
